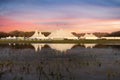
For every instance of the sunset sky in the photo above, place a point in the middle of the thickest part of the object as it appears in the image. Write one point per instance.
(49, 15)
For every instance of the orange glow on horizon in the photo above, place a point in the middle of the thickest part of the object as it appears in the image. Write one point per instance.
(70, 24)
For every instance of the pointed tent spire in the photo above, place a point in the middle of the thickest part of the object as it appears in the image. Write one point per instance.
(89, 36)
(37, 35)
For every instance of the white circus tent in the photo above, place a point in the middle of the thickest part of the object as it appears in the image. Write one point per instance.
(37, 35)
(89, 36)
(61, 35)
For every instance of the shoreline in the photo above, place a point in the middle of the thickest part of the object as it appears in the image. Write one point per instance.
(60, 41)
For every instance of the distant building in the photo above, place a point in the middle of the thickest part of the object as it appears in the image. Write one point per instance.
(61, 35)
(108, 38)
(89, 36)
(11, 37)
(38, 35)
(20, 38)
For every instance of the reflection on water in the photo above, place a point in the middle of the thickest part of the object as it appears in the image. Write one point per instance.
(77, 61)
(37, 46)
(58, 47)
(89, 45)
(61, 47)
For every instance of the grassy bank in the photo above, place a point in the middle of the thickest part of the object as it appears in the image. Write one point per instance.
(59, 41)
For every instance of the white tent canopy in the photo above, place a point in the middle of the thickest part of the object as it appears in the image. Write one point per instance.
(11, 37)
(89, 36)
(38, 35)
(61, 34)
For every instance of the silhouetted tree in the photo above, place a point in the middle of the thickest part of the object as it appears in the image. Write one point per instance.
(28, 34)
(3, 34)
(99, 34)
(17, 33)
(46, 33)
(114, 34)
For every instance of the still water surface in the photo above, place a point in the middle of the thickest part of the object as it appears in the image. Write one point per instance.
(38, 61)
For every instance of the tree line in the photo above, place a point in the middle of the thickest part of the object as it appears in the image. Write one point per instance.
(28, 34)
(20, 33)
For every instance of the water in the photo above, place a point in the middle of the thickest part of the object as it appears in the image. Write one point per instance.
(59, 61)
